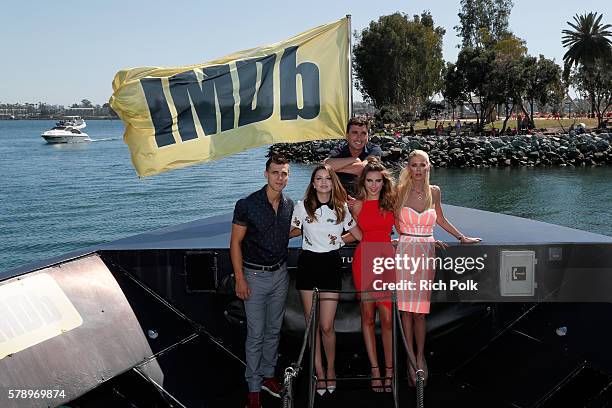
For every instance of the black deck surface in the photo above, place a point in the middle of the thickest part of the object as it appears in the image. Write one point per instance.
(489, 355)
(481, 365)
(214, 232)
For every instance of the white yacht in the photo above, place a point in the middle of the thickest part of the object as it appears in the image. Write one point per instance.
(73, 121)
(65, 134)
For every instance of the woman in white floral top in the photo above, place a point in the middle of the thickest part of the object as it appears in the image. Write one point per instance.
(320, 219)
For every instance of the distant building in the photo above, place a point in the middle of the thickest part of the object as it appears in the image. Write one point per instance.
(12, 113)
(83, 112)
(363, 108)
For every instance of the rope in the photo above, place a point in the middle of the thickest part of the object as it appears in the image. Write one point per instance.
(420, 385)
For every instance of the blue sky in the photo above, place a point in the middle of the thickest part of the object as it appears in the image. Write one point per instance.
(64, 51)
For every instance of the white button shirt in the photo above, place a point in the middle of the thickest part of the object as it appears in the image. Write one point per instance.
(322, 234)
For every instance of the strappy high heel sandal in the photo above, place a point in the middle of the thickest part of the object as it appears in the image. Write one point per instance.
(377, 385)
(321, 387)
(389, 380)
(331, 388)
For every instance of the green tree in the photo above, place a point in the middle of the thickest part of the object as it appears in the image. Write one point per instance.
(594, 82)
(453, 88)
(482, 22)
(508, 75)
(106, 108)
(397, 61)
(472, 80)
(43, 108)
(509, 79)
(86, 103)
(588, 46)
(509, 47)
(588, 41)
(543, 77)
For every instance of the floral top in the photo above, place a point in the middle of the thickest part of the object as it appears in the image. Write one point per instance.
(322, 234)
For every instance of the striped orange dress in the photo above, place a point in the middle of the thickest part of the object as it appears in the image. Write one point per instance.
(416, 242)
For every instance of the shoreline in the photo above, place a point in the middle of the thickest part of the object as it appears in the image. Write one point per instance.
(473, 151)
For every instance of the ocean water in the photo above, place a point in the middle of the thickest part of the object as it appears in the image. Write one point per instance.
(58, 198)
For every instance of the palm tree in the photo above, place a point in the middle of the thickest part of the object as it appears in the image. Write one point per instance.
(587, 41)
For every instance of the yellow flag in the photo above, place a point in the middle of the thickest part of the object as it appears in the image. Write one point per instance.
(291, 91)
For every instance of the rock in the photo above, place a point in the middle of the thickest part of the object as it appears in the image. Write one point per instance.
(602, 145)
(574, 154)
(471, 142)
(414, 145)
(552, 155)
(534, 155)
(395, 153)
(517, 143)
(479, 151)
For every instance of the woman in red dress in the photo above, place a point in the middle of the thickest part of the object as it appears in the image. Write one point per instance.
(373, 211)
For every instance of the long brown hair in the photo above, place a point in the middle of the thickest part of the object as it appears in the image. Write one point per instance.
(388, 197)
(405, 181)
(338, 195)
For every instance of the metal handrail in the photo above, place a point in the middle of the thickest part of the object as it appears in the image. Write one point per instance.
(294, 369)
(420, 373)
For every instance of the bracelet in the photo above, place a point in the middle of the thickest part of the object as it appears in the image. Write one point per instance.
(460, 237)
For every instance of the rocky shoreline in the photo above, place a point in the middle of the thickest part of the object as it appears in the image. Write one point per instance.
(474, 151)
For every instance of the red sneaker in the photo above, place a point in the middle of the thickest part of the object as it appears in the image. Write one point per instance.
(253, 400)
(272, 387)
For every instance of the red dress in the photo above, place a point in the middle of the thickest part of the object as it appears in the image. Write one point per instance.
(376, 227)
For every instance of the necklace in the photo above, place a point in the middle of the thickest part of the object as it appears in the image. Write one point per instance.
(419, 194)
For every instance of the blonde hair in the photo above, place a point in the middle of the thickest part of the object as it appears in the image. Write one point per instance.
(405, 181)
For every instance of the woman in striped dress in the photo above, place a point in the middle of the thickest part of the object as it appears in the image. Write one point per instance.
(419, 209)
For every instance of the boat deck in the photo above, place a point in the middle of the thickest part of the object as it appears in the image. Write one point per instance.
(159, 333)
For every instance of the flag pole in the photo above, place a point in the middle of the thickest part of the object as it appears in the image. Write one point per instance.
(350, 68)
